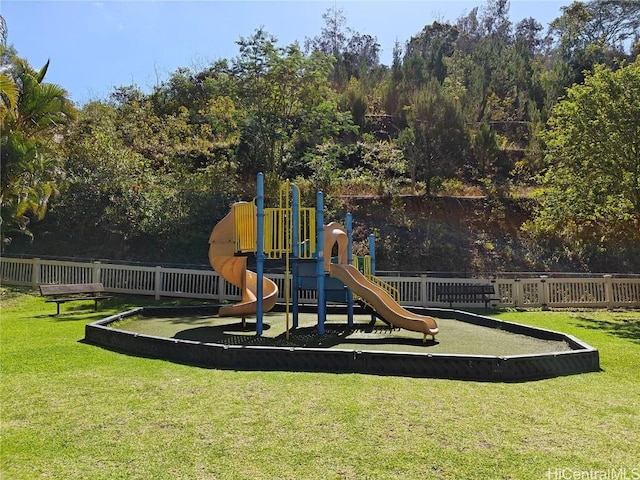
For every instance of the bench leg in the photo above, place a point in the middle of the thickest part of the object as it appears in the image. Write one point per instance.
(57, 308)
(95, 306)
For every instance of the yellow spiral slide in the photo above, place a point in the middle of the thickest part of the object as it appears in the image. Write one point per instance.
(234, 270)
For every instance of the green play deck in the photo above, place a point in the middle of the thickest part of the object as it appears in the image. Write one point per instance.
(455, 337)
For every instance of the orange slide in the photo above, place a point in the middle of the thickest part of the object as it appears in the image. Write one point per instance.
(234, 270)
(374, 295)
(382, 302)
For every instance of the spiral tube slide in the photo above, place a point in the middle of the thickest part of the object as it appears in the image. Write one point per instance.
(222, 246)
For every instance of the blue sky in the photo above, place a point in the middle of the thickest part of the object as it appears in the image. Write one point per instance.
(95, 46)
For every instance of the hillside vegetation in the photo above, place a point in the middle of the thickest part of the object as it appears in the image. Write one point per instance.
(487, 145)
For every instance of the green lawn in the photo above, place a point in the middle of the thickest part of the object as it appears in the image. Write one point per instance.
(76, 411)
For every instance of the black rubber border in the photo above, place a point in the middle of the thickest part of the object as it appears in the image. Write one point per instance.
(513, 368)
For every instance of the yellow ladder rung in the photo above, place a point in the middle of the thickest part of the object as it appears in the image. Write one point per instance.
(278, 227)
(245, 226)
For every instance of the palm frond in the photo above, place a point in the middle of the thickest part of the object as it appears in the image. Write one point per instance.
(8, 92)
(43, 71)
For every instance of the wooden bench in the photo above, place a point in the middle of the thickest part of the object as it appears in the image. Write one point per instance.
(465, 293)
(63, 293)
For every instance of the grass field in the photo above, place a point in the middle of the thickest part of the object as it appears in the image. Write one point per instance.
(76, 411)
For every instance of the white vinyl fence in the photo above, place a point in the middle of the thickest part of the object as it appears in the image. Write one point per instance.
(605, 291)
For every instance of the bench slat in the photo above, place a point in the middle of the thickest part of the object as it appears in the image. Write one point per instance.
(452, 289)
(70, 289)
(75, 299)
(465, 293)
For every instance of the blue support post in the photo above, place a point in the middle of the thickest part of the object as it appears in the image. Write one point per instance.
(322, 306)
(259, 252)
(349, 260)
(295, 250)
(372, 254)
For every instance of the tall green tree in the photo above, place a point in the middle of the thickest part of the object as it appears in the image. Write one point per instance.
(8, 89)
(485, 61)
(437, 143)
(426, 53)
(590, 33)
(485, 149)
(287, 103)
(35, 115)
(354, 54)
(592, 196)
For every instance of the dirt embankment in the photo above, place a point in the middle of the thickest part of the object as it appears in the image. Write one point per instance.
(455, 234)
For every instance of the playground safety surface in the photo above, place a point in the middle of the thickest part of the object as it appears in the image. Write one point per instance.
(469, 346)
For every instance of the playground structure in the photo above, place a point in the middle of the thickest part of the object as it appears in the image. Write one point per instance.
(300, 236)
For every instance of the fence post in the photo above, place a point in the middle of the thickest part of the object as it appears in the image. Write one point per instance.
(517, 292)
(158, 282)
(608, 291)
(35, 273)
(221, 288)
(496, 288)
(95, 273)
(423, 290)
(543, 294)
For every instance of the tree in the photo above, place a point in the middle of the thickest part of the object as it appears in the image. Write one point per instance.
(592, 196)
(356, 102)
(528, 33)
(392, 83)
(426, 53)
(333, 35)
(598, 31)
(485, 149)
(35, 115)
(354, 54)
(485, 60)
(103, 174)
(495, 18)
(8, 89)
(287, 103)
(437, 143)
(606, 23)
(362, 56)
